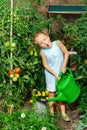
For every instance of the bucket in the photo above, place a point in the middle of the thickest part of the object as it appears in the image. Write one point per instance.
(67, 90)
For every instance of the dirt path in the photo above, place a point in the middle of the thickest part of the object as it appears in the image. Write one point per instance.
(73, 113)
(72, 125)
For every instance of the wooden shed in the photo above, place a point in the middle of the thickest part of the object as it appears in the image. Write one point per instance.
(70, 12)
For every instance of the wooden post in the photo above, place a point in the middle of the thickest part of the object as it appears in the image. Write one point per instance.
(11, 34)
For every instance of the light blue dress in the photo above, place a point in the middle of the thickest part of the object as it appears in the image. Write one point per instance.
(55, 58)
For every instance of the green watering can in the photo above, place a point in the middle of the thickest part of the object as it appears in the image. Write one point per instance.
(67, 89)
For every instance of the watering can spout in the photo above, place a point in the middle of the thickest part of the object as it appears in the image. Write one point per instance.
(60, 97)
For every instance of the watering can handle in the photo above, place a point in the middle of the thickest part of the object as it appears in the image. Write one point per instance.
(69, 70)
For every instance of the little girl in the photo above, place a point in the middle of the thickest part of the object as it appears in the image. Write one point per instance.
(54, 57)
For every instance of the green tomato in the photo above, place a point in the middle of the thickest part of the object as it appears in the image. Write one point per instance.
(12, 49)
(7, 43)
(11, 76)
(13, 44)
(14, 79)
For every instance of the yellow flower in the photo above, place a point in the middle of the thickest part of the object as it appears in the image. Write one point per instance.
(38, 93)
(46, 92)
(43, 94)
(31, 101)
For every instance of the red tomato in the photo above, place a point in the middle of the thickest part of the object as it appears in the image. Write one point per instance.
(17, 70)
(10, 72)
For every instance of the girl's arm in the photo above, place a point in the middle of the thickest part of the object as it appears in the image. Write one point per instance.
(66, 55)
(46, 66)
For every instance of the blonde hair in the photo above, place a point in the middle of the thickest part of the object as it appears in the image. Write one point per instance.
(38, 34)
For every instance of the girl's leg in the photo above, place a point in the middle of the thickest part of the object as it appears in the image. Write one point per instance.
(63, 111)
(52, 103)
(62, 108)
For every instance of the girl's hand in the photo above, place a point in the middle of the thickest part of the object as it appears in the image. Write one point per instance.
(63, 69)
(57, 77)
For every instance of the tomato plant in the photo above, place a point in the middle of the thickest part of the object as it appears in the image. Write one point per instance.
(16, 52)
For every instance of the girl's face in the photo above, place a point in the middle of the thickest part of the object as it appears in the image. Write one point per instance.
(43, 41)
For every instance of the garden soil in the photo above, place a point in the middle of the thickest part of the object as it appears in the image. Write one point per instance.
(73, 114)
